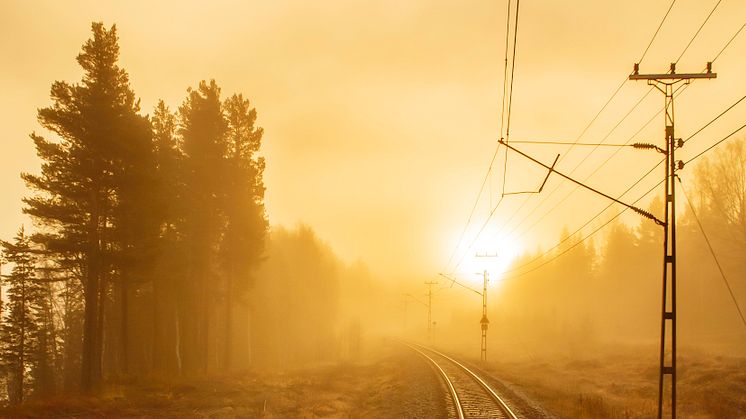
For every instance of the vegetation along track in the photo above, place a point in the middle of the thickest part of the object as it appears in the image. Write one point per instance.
(472, 396)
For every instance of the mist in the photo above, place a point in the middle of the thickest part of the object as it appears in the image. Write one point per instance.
(382, 210)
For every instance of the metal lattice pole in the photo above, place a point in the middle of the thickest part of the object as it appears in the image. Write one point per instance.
(668, 84)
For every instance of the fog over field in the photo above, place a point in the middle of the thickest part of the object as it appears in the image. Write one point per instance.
(299, 209)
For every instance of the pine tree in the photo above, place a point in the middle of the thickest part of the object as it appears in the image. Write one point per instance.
(246, 224)
(170, 250)
(20, 339)
(202, 130)
(76, 190)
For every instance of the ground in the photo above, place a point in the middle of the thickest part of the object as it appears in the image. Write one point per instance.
(392, 384)
(397, 383)
(622, 386)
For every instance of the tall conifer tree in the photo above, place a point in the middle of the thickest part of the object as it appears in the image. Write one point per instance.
(94, 121)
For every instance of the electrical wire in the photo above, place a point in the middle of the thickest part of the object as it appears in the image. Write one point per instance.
(698, 30)
(712, 252)
(576, 243)
(649, 121)
(727, 44)
(606, 104)
(576, 187)
(481, 229)
(729, 41)
(568, 143)
(497, 148)
(716, 118)
(588, 187)
(715, 145)
(579, 229)
(656, 32)
(638, 181)
(473, 208)
(510, 95)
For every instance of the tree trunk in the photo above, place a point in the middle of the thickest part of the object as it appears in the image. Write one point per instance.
(98, 366)
(156, 349)
(124, 335)
(88, 379)
(227, 361)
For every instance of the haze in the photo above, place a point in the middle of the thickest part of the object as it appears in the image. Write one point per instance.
(380, 120)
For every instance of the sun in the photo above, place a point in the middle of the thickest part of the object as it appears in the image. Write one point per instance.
(490, 252)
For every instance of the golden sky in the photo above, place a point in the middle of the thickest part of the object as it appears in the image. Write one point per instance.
(381, 117)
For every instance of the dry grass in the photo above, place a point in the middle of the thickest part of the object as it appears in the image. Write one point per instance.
(378, 388)
(625, 386)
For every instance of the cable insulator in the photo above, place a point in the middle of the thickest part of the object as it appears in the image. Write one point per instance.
(648, 146)
(648, 215)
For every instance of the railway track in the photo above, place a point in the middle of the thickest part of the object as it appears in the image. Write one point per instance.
(472, 396)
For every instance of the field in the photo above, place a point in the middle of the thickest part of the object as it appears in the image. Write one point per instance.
(395, 382)
(626, 386)
(392, 383)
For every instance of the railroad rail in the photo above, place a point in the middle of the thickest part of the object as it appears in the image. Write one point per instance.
(472, 396)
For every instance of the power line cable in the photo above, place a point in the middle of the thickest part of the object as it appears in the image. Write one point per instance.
(608, 101)
(578, 242)
(656, 32)
(646, 124)
(698, 30)
(587, 177)
(714, 256)
(579, 229)
(588, 187)
(508, 117)
(717, 117)
(727, 44)
(729, 41)
(576, 187)
(551, 142)
(497, 148)
(510, 95)
(716, 144)
(481, 229)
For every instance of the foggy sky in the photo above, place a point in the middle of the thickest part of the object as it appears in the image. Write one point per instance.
(381, 118)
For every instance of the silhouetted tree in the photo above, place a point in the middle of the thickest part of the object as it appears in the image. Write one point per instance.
(76, 190)
(246, 223)
(170, 250)
(203, 129)
(20, 329)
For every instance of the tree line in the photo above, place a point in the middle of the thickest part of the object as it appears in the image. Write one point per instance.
(148, 230)
(607, 292)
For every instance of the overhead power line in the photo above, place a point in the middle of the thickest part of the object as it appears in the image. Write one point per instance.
(681, 91)
(656, 32)
(590, 188)
(715, 145)
(510, 95)
(606, 104)
(497, 147)
(698, 30)
(729, 41)
(579, 229)
(574, 245)
(568, 143)
(716, 118)
(714, 256)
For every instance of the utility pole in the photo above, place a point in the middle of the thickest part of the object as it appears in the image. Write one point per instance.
(483, 322)
(668, 84)
(430, 309)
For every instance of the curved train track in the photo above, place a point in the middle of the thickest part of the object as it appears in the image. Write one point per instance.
(472, 397)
